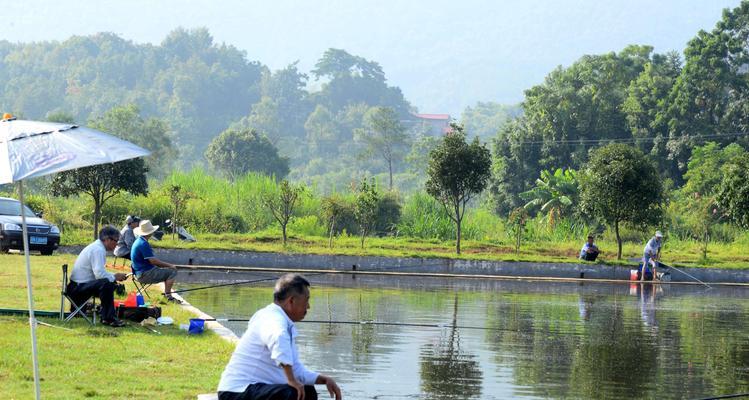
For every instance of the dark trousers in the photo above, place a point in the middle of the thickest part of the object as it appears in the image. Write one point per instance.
(101, 288)
(589, 256)
(264, 391)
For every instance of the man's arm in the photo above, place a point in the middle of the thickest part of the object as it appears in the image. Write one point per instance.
(333, 388)
(291, 380)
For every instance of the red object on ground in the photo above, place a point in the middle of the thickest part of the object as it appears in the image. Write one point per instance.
(132, 300)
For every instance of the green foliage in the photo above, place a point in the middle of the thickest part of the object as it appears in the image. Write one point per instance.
(102, 182)
(733, 195)
(334, 210)
(153, 134)
(388, 214)
(554, 194)
(281, 203)
(485, 119)
(620, 186)
(425, 218)
(366, 206)
(458, 171)
(384, 136)
(354, 80)
(238, 152)
(516, 223)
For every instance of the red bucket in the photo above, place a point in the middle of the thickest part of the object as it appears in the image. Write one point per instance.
(633, 275)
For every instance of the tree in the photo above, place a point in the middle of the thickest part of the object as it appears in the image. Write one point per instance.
(281, 203)
(102, 182)
(516, 222)
(237, 152)
(485, 119)
(178, 197)
(733, 194)
(333, 207)
(153, 134)
(384, 135)
(458, 171)
(322, 133)
(554, 194)
(365, 210)
(620, 185)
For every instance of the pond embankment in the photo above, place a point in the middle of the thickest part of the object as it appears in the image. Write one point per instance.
(192, 258)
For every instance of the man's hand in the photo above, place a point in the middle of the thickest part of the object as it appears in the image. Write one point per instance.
(119, 276)
(291, 381)
(329, 383)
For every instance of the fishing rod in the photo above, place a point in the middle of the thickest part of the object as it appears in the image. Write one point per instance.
(370, 322)
(354, 268)
(225, 284)
(687, 274)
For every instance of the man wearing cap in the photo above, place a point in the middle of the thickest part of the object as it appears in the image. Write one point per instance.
(127, 237)
(148, 268)
(651, 254)
(265, 365)
(89, 276)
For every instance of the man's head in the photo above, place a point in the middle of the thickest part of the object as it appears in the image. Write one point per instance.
(658, 236)
(132, 221)
(109, 235)
(590, 239)
(145, 228)
(292, 294)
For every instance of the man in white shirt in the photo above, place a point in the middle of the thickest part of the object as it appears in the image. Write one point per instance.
(651, 255)
(90, 277)
(265, 365)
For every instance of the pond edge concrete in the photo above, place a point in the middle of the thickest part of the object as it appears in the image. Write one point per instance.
(301, 262)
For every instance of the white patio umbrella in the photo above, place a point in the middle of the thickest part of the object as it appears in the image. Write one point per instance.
(30, 149)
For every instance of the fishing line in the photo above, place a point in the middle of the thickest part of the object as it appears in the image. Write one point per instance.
(728, 396)
(375, 323)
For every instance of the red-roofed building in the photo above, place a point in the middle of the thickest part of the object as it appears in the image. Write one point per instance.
(434, 124)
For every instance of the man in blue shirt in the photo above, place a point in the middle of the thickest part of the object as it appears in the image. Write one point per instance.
(146, 266)
(590, 251)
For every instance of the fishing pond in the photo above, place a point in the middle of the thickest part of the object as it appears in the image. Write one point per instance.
(441, 338)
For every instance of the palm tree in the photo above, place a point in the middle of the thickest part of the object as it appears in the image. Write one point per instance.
(554, 194)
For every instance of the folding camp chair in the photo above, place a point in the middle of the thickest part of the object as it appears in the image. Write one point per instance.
(142, 288)
(75, 308)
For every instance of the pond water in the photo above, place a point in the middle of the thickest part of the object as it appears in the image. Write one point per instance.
(537, 340)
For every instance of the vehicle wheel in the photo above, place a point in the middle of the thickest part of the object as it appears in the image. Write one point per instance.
(3, 250)
(47, 252)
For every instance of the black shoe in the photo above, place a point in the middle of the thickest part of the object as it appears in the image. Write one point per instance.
(115, 323)
(173, 300)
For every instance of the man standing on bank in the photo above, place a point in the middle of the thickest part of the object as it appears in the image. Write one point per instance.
(265, 365)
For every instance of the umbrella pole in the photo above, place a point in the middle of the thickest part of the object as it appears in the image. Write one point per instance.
(32, 318)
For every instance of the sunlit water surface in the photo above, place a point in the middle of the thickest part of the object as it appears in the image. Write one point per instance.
(537, 340)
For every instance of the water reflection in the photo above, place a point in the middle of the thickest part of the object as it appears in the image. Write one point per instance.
(447, 370)
(542, 340)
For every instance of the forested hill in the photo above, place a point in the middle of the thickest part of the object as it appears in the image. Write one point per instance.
(200, 87)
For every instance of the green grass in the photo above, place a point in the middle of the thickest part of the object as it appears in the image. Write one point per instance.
(98, 362)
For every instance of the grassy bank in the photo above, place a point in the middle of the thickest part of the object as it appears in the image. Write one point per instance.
(98, 362)
(675, 252)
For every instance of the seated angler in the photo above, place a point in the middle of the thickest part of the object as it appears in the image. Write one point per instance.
(265, 365)
(89, 276)
(146, 266)
(127, 237)
(590, 251)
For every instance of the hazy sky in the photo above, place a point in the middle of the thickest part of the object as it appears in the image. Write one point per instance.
(445, 55)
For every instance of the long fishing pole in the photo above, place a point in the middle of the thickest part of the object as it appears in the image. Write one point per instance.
(368, 322)
(687, 274)
(354, 268)
(225, 284)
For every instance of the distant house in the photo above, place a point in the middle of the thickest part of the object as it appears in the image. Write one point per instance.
(433, 124)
